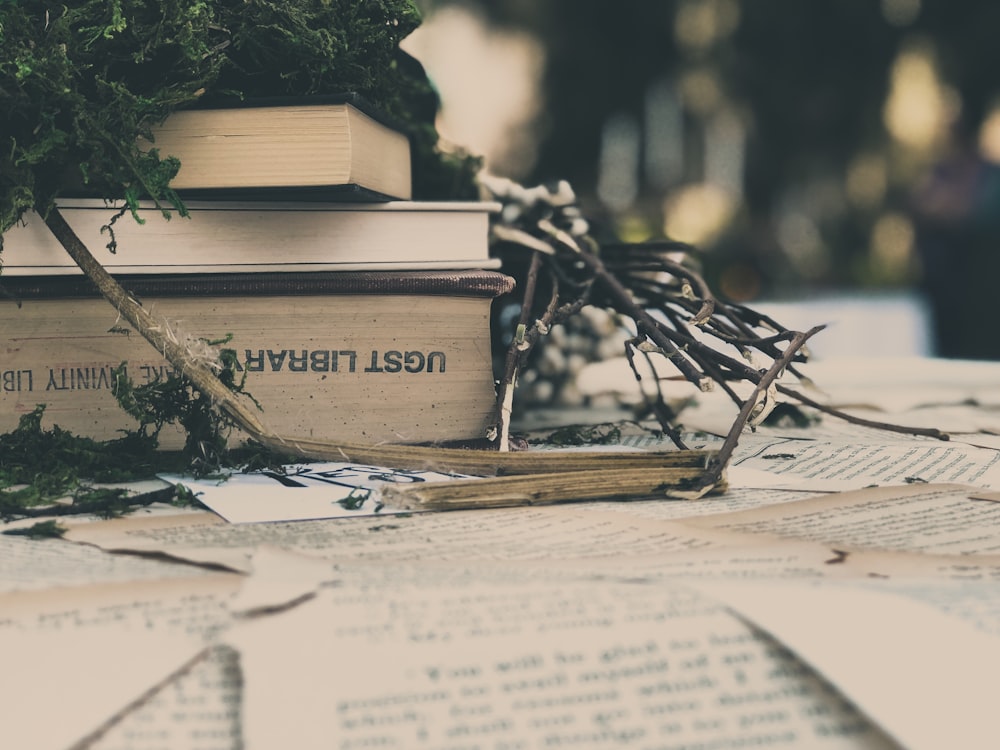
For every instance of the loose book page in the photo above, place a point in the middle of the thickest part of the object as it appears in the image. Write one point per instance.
(928, 679)
(590, 665)
(527, 533)
(730, 501)
(835, 465)
(27, 564)
(93, 653)
(929, 519)
(197, 710)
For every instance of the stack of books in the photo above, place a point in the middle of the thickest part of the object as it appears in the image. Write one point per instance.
(357, 312)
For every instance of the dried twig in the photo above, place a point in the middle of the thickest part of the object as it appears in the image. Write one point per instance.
(674, 312)
(718, 463)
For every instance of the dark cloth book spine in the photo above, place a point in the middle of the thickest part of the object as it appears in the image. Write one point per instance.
(431, 283)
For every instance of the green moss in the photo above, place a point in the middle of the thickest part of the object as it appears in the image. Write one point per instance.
(80, 81)
(39, 466)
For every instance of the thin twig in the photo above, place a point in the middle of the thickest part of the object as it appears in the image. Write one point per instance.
(717, 465)
(851, 419)
(515, 354)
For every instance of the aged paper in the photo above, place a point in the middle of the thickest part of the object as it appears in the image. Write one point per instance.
(306, 492)
(732, 500)
(162, 535)
(195, 605)
(199, 709)
(57, 690)
(545, 533)
(594, 664)
(930, 519)
(834, 465)
(76, 660)
(928, 679)
(27, 564)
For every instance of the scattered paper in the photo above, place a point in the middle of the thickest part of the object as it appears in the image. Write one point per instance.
(840, 465)
(929, 680)
(58, 688)
(75, 659)
(930, 519)
(298, 493)
(527, 533)
(590, 665)
(771, 615)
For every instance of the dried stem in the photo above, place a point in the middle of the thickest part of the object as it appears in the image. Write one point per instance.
(717, 465)
(545, 489)
(515, 356)
(851, 419)
(153, 330)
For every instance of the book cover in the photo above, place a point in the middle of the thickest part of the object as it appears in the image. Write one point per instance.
(259, 236)
(312, 143)
(399, 357)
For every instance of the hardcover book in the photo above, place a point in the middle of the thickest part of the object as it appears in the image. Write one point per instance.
(327, 144)
(257, 236)
(398, 357)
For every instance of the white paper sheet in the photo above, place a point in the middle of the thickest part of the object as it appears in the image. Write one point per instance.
(73, 660)
(933, 519)
(843, 465)
(306, 492)
(591, 665)
(929, 680)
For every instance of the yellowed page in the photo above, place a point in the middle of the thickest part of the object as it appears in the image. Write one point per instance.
(595, 664)
(27, 565)
(504, 534)
(928, 679)
(924, 518)
(197, 710)
(75, 660)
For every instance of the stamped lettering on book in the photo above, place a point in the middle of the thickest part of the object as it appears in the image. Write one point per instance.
(101, 377)
(344, 360)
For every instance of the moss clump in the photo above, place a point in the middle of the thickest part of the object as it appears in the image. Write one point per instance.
(39, 466)
(174, 400)
(81, 81)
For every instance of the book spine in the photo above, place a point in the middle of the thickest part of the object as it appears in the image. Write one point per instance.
(486, 284)
(258, 237)
(363, 367)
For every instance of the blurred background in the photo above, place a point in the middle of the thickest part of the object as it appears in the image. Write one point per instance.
(834, 161)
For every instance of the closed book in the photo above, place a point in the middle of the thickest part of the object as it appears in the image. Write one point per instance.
(257, 236)
(402, 357)
(332, 144)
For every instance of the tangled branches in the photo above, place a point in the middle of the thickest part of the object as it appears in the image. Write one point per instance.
(546, 243)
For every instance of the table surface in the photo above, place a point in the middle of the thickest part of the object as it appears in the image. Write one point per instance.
(843, 593)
